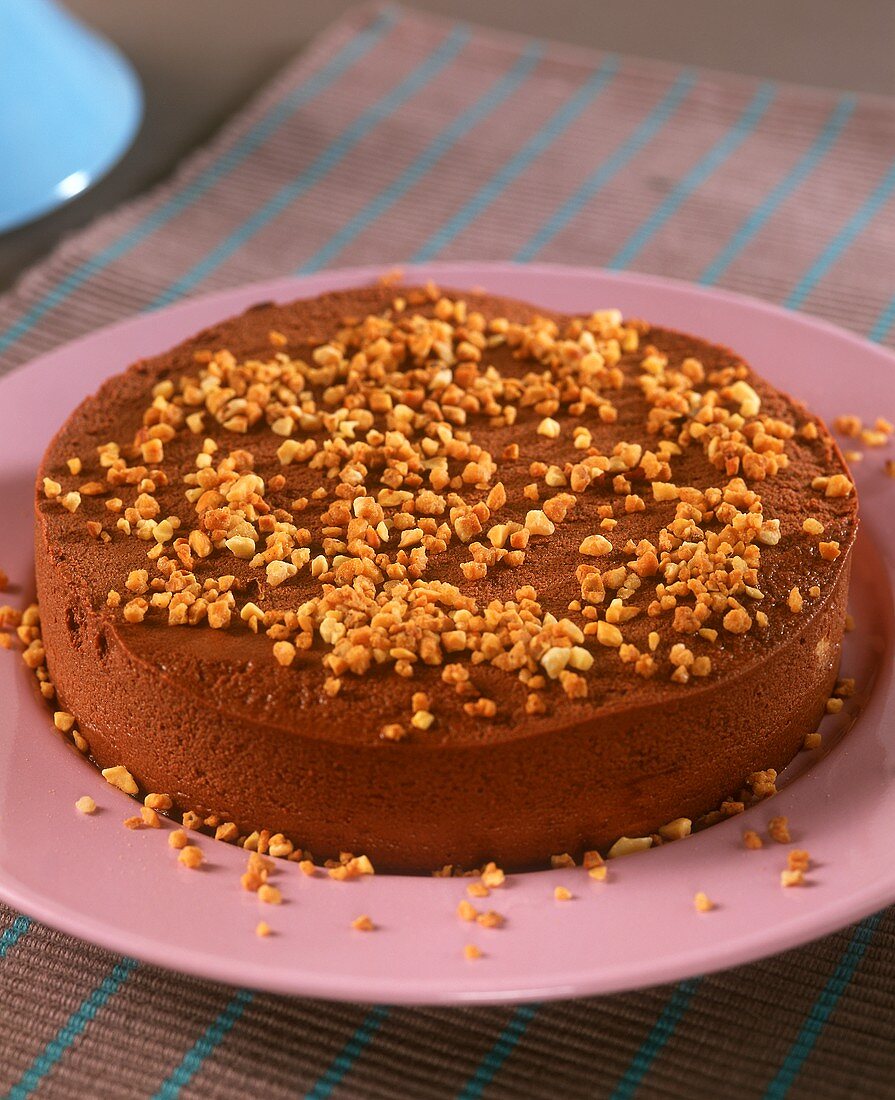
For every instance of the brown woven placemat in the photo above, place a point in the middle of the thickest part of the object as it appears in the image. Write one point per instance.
(399, 137)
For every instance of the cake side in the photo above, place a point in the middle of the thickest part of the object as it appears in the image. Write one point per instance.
(226, 729)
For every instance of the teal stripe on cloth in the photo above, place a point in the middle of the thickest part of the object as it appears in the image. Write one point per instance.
(13, 934)
(230, 159)
(74, 1027)
(503, 1047)
(716, 156)
(598, 179)
(424, 164)
(757, 219)
(884, 322)
(659, 1035)
(204, 1046)
(343, 1062)
(843, 239)
(823, 1009)
(323, 164)
(516, 165)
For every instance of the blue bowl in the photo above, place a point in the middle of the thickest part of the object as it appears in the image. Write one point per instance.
(70, 105)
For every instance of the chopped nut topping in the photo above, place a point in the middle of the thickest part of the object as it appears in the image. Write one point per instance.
(792, 878)
(86, 805)
(627, 845)
(490, 919)
(492, 876)
(677, 829)
(561, 893)
(270, 895)
(178, 839)
(703, 903)
(470, 951)
(798, 859)
(262, 928)
(191, 856)
(752, 840)
(363, 924)
(466, 910)
(778, 829)
(121, 778)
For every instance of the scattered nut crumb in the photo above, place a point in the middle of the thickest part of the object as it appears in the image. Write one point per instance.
(470, 951)
(191, 856)
(121, 778)
(363, 924)
(703, 903)
(466, 910)
(752, 840)
(561, 893)
(178, 839)
(792, 878)
(262, 928)
(778, 830)
(86, 805)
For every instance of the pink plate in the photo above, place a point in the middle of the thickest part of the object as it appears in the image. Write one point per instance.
(125, 891)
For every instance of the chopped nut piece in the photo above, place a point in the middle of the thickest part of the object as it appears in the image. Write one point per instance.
(121, 778)
(838, 486)
(477, 890)
(270, 895)
(466, 910)
(490, 919)
(609, 635)
(538, 524)
(778, 829)
(470, 951)
(829, 551)
(795, 601)
(703, 903)
(752, 840)
(191, 856)
(598, 874)
(812, 527)
(812, 741)
(677, 829)
(284, 652)
(262, 928)
(834, 706)
(798, 859)
(627, 845)
(63, 721)
(792, 878)
(363, 924)
(85, 805)
(492, 876)
(178, 839)
(737, 621)
(595, 546)
(562, 893)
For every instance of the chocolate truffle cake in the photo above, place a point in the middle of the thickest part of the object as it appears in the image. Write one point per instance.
(443, 578)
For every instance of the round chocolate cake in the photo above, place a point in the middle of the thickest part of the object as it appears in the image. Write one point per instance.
(443, 578)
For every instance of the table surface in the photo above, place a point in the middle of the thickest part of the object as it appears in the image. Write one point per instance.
(200, 61)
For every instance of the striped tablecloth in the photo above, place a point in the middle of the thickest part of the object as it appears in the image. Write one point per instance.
(399, 137)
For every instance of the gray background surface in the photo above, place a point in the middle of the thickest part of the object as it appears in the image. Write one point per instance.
(199, 60)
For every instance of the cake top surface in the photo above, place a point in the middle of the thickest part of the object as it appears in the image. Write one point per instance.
(401, 514)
